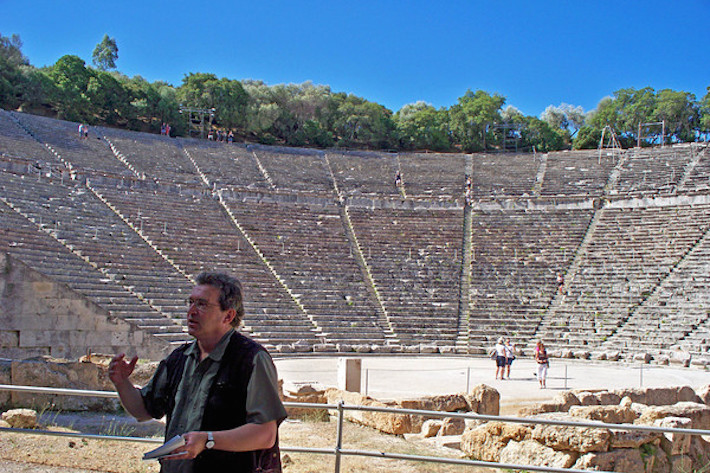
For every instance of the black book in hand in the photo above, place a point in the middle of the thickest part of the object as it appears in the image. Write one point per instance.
(165, 449)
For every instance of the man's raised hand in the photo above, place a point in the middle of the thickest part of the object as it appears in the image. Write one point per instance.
(119, 369)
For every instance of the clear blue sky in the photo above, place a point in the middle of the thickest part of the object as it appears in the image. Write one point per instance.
(535, 53)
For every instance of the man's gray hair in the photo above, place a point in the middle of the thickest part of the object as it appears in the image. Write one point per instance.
(231, 295)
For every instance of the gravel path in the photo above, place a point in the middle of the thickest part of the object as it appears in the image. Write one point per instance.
(17, 467)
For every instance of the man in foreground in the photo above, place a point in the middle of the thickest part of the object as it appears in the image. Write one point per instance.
(219, 392)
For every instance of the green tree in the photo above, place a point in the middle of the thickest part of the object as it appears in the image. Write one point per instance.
(624, 112)
(421, 126)
(71, 79)
(704, 110)
(109, 99)
(231, 102)
(168, 107)
(634, 107)
(472, 116)
(540, 135)
(36, 89)
(555, 117)
(11, 62)
(564, 117)
(364, 123)
(144, 98)
(606, 114)
(512, 115)
(588, 137)
(680, 113)
(227, 97)
(259, 116)
(105, 54)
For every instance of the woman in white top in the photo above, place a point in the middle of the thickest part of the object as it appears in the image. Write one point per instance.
(501, 358)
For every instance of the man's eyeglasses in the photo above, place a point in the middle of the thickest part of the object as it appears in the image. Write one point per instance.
(200, 304)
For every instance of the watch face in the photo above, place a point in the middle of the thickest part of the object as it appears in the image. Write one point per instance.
(209, 444)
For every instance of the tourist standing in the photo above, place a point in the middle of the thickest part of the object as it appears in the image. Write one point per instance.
(510, 356)
(501, 358)
(543, 363)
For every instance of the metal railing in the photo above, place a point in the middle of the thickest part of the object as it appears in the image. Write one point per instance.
(338, 451)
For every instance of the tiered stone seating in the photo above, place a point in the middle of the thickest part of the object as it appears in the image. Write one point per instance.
(496, 175)
(699, 178)
(80, 220)
(196, 233)
(415, 260)
(296, 170)
(365, 174)
(27, 242)
(15, 142)
(308, 247)
(653, 170)
(158, 157)
(433, 175)
(677, 311)
(630, 253)
(88, 155)
(226, 165)
(581, 173)
(637, 276)
(516, 257)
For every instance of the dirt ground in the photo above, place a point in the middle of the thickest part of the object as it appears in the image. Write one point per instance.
(49, 454)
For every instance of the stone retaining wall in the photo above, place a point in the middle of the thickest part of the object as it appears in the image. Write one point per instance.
(39, 316)
(601, 448)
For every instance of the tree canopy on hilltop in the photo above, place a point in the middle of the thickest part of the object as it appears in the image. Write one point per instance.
(313, 115)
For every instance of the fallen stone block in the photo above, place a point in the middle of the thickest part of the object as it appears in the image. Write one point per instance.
(530, 452)
(20, 418)
(627, 460)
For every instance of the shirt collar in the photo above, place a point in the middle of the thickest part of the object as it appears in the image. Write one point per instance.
(218, 351)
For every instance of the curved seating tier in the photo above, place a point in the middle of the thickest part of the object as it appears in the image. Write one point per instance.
(433, 175)
(296, 171)
(92, 154)
(308, 247)
(415, 259)
(516, 257)
(226, 165)
(197, 235)
(577, 173)
(653, 170)
(632, 253)
(365, 174)
(159, 157)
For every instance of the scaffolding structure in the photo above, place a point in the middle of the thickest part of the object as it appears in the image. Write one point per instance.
(648, 126)
(609, 141)
(511, 136)
(196, 119)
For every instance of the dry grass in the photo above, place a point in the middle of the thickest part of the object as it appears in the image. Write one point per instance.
(98, 455)
(125, 457)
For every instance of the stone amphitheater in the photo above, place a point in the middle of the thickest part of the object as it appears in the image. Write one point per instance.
(100, 239)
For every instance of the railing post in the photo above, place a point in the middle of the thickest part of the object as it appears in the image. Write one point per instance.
(339, 437)
(468, 378)
(565, 376)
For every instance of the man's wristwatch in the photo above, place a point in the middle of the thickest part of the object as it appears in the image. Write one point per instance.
(210, 441)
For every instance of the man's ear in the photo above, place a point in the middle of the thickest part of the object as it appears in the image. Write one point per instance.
(230, 315)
